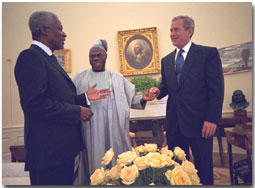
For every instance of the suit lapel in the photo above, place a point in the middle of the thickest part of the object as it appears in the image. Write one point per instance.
(59, 68)
(170, 70)
(187, 64)
(52, 62)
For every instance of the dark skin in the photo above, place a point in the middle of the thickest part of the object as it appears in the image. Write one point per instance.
(53, 36)
(97, 59)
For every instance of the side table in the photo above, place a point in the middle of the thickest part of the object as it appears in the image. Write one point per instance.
(240, 138)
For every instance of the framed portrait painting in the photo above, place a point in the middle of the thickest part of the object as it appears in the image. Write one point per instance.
(138, 51)
(64, 59)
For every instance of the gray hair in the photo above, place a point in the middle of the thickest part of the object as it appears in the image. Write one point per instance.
(140, 45)
(188, 22)
(40, 19)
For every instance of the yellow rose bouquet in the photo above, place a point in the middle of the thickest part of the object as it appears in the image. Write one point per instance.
(147, 165)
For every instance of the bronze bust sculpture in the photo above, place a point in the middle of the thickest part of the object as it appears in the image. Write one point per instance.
(238, 101)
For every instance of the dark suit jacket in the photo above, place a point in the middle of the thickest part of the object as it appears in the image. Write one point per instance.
(51, 107)
(199, 95)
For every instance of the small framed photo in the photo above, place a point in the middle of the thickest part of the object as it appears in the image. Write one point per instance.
(138, 51)
(64, 59)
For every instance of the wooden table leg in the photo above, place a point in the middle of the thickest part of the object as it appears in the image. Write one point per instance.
(218, 133)
(230, 163)
(248, 143)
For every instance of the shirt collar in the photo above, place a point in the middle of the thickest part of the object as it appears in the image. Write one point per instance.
(45, 48)
(185, 48)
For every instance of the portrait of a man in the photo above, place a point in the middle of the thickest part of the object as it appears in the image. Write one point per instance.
(138, 52)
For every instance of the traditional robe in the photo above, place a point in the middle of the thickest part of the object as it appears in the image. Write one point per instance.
(109, 126)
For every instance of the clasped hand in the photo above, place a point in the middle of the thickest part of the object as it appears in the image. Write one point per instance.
(151, 94)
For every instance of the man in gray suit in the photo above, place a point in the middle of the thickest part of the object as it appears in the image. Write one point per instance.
(193, 80)
(52, 109)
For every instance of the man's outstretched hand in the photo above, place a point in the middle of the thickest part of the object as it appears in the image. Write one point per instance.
(95, 94)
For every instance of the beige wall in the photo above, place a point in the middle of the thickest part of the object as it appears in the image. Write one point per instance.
(217, 24)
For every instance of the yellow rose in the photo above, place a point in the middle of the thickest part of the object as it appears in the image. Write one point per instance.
(150, 147)
(165, 151)
(129, 174)
(114, 173)
(169, 161)
(107, 157)
(110, 183)
(106, 175)
(140, 162)
(188, 167)
(180, 154)
(155, 160)
(164, 148)
(126, 158)
(178, 176)
(140, 149)
(97, 177)
(168, 174)
(195, 180)
(176, 164)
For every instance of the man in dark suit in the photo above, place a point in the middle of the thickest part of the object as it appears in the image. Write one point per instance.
(193, 81)
(52, 109)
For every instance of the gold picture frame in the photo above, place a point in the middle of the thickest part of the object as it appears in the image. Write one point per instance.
(138, 51)
(64, 59)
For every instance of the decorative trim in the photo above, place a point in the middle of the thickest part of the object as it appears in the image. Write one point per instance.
(11, 136)
(138, 51)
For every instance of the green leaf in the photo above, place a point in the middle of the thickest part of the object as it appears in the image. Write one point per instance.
(171, 167)
(141, 154)
(160, 178)
(144, 83)
(140, 180)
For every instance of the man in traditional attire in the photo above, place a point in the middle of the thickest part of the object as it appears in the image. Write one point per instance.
(109, 127)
